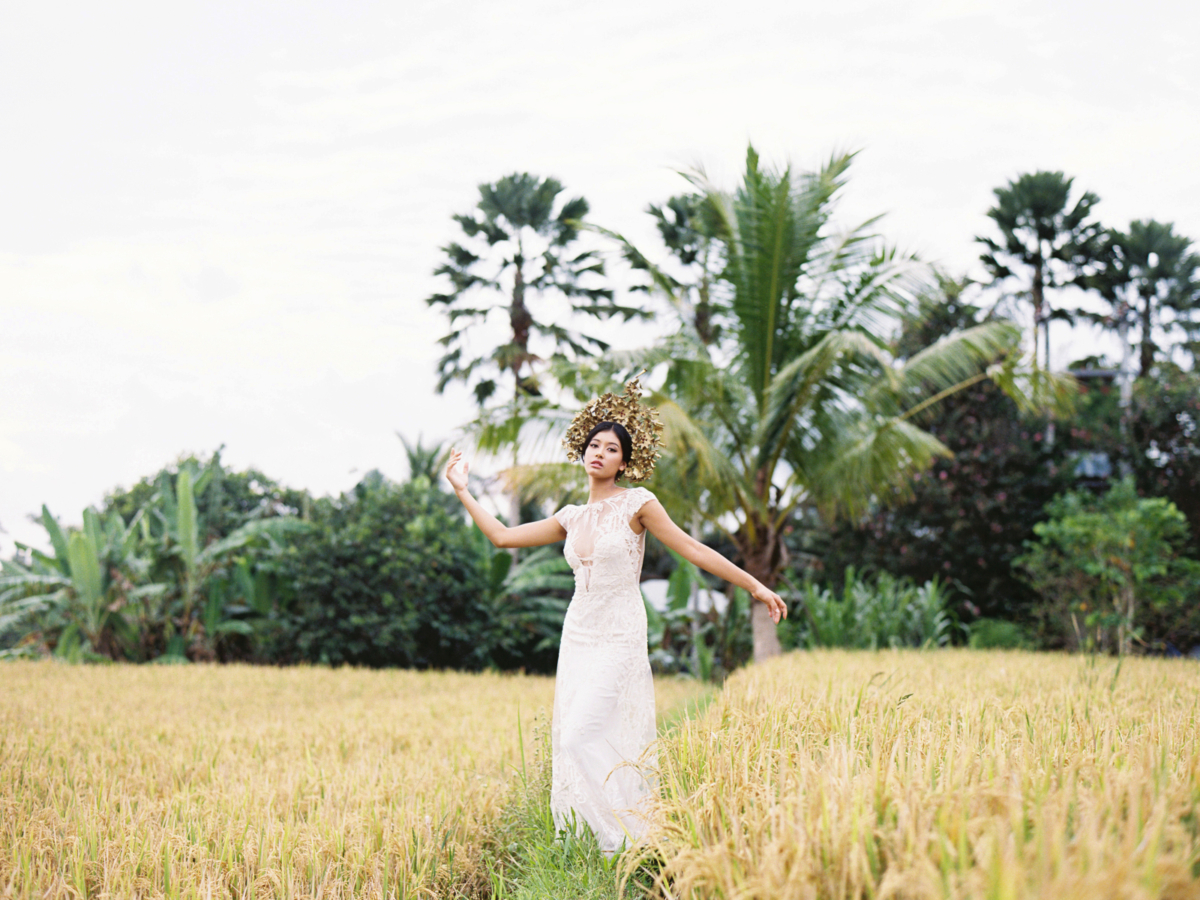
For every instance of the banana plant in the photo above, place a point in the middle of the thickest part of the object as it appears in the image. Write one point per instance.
(527, 598)
(200, 617)
(79, 598)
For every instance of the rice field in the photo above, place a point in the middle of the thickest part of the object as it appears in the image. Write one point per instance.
(896, 774)
(206, 781)
(940, 774)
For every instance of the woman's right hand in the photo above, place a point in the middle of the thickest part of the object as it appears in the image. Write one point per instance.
(456, 470)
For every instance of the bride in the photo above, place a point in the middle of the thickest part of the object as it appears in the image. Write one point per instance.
(604, 694)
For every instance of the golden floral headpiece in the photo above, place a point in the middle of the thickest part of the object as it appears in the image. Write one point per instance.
(645, 430)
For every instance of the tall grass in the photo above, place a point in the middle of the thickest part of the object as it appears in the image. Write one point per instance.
(826, 774)
(204, 781)
(929, 775)
(531, 860)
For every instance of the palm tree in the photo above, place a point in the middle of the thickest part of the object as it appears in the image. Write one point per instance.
(519, 261)
(424, 462)
(688, 227)
(800, 404)
(1151, 281)
(1045, 242)
(521, 250)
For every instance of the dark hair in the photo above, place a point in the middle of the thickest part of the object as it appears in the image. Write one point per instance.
(623, 439)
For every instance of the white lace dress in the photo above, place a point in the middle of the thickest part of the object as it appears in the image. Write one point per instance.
(603, 695)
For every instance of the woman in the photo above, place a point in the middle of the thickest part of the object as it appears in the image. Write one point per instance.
(604, 694)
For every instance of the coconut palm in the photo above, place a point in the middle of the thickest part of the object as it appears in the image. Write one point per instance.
(424, 462)
(800, 405)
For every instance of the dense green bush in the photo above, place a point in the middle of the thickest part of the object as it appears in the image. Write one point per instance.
(389, 575)
(1100, 562)
(997, 634)
(1164, 428)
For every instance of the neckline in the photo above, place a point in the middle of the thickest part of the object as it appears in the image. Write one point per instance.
(620, 493)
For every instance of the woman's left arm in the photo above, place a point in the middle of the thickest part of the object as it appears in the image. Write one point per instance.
(655, 520)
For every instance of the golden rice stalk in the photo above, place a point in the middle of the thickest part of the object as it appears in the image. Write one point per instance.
(205, 781)
(946, 774)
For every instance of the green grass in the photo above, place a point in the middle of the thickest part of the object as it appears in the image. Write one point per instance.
(530, 860)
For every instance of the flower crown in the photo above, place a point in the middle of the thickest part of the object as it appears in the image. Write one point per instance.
(645, 430)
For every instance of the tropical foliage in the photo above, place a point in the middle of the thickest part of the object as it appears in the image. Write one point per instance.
(1100, 561)
(702, 640)
(801, 405)
(165, 583)
(1046, 242)
(518, 251)
(1151, 282)
(1163, 425)
(519, 260)
(526, 602)
(968, 517)
(870, 614)
(830, 402)
(386, 576)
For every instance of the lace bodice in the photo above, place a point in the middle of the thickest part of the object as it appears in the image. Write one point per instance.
(606, 557)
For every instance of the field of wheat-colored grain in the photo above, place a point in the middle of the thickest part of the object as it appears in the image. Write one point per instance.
(940, 774)
(832, 775)
(206, 781)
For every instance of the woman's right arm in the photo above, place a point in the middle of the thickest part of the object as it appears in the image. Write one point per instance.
(532, 534)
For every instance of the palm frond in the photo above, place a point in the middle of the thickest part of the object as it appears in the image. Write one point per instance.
(944, 368)
(686, 438)
(1035, 390)
(562, 482)
(878, 461)
(795, 386)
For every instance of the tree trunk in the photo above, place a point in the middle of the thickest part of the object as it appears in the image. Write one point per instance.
(520, 320)
(764, 562)
(521, 323)
(514, 507)
(766, 639)
(1042, 315)
(1038, 296)
(1125, 640)
(1147, 344)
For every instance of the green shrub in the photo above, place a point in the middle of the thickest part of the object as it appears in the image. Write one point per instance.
(388, 576)
(886, 612)
(1101, 562)
(997, 634)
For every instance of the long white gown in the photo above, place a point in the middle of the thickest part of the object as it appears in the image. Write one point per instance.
(603, 724)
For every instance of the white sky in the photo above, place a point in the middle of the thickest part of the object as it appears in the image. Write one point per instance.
(219, 219)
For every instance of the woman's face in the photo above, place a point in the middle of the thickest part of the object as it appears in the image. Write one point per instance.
(603, 458)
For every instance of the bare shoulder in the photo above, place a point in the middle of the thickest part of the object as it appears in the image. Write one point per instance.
(653, 517)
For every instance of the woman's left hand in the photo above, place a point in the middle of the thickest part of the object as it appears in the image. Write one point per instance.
(775, 604)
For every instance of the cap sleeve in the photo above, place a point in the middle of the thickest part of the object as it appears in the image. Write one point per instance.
(565, 516)
(637, 498)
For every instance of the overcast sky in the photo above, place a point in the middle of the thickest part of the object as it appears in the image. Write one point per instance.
(219, 220)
